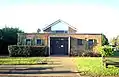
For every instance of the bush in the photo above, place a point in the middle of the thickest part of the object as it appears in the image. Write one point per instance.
(106, 50)
(39, 51)
(26, 51)
(84, 53)
(90, 54)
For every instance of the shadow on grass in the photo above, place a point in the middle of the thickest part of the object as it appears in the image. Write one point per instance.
(116, 64)
(34, 70)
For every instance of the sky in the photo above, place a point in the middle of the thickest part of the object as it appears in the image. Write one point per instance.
(88, 16)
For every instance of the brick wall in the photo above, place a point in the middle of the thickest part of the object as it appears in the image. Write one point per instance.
(79, 49)
(74, 48)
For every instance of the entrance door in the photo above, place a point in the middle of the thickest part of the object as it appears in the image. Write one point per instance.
(59, 45)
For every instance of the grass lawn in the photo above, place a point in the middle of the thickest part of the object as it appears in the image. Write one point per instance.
(21, 60)
(112, 59)
(92, 66)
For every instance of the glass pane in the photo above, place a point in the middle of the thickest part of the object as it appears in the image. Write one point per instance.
(60, 31)
(28, 41)
(39, 42)
(60, 26)
(80, 42)
(90, 42)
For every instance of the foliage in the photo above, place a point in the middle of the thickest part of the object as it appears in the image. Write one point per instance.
(21, 60)
(104, 40)
(19, 51)
(91, 54)
(84, 53)
(115, 41)
(8, 36)
(38, 51)
(88, 66)
(26, 51)
(106, 50)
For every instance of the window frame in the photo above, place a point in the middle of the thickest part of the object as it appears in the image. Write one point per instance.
(92, 42)
(26, 41)
(40, 41)
(79, 41)
(59, 31)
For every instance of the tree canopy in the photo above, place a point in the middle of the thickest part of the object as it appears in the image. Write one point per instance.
(8, 36)
(115, 40)
(104, 40)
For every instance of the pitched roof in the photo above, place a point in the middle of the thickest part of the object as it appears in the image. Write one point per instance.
(56, 22)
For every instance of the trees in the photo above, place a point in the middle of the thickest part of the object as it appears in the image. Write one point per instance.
(104, 40)
(115, 41)
(8, 36)
(106, 50)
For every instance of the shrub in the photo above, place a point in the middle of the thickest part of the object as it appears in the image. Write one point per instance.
(95, 54)
(106, 50)
(39, 51)
(91, 54)
(20, 51)
(84, 53)
(26, 51)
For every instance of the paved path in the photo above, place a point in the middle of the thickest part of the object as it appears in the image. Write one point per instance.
(57, 67)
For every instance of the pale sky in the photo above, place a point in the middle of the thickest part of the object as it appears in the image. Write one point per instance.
(88, 16)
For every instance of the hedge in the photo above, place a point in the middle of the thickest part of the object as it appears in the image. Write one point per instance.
(84, 53)
(106, 51)
(27, 51)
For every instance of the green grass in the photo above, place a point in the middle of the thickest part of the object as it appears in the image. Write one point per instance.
(21, 60)
(92, 66)
(112, 59)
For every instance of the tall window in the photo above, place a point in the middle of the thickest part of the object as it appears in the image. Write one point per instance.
(39, 42)
(28, 41)
(90, 42)
(80, 41)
